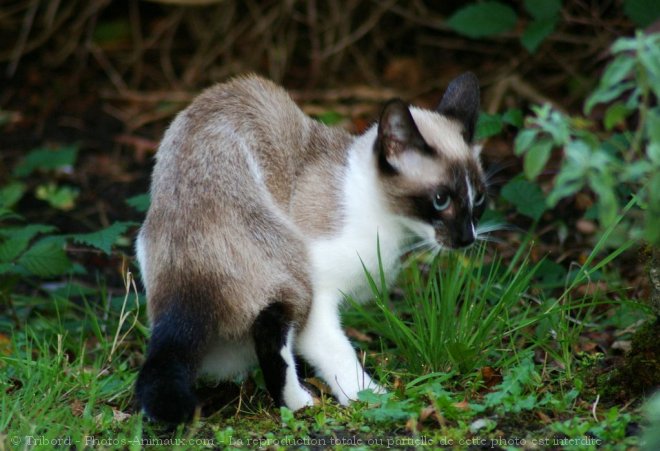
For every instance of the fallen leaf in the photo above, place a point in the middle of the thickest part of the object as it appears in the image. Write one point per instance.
(356, 334)
(120, 416)
(77, 408)
(543, 417)
(412, 425)
(622, 345)
(5, 344)
(317, 383)
(426, 412)
(491, 376)
(586, 227)
(463, 405)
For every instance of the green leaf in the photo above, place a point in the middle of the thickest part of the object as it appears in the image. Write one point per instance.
(642, 12)
(653, 151)
(605, 95)
(11, 194)
(536, 158)
(615, 114)
(46, 258)
(546, 9)
(635, 171)
(551, 273)
(105, 238)
(617, 70)
(488, 125)
(60, 197)
(330, 117)
(536, 32)
(513, 116)
(483, 19)
(16, 240)
(140, 202)
(44, 158)
(112, 31)
(607, 201)
(653, 125)
(527, 197)
(652, 216)
(524, 140)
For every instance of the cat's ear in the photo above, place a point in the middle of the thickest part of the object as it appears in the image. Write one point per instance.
(461, 102)
(397, 132)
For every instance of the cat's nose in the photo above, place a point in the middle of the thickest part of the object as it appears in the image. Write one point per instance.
(466, 237)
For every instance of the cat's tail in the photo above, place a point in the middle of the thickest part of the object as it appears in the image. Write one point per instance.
(164, 386)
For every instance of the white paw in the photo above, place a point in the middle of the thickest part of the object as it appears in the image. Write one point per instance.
(297, 398)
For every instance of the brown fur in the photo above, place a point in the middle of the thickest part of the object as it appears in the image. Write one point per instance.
(215, 227)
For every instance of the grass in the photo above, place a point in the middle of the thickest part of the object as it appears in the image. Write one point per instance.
(457, 352)
(456, 315)
(474, 351)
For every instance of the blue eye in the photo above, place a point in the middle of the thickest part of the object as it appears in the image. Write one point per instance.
(441, 201)
(480, 199)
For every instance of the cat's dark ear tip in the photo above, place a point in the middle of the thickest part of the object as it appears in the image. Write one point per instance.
(468, 76)
(466, 82)
(393, 104)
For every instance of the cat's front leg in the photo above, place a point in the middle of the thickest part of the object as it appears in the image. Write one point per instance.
(324, 345)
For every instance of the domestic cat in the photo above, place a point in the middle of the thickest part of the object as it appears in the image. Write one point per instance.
(261, 220)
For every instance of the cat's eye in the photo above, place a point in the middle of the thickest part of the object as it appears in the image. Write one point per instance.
(480, 199)
(441, 201)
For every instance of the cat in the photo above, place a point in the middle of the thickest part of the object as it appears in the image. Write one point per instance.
(261, 220)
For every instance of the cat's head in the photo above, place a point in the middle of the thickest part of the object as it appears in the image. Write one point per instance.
(429, 168)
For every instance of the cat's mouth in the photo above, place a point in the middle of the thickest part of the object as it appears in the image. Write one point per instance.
(457, 239)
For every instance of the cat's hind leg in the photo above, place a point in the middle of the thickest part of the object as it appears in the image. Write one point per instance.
(273, 335)
(164, 386)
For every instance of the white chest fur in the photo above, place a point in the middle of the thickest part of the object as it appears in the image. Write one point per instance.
(338, 261)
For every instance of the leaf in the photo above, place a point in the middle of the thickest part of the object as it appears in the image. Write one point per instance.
(536, 32)
(524, 140)
(488, 125)
(536, 158)
(642, 12)
(44, 158)
(104, 239)
(108, 32)
(547, 9)
(59, 197)
(527, 197)
(330, 117)
(551, 273)
(607, 202)
(16, 240)
(653, 125)
(615, 114)
(606, 94)
(617, 70)
(653, 151)
(483, 19)
(140, 202)
(513, 116)
(45, 258)
(652, 216)
(11, 194)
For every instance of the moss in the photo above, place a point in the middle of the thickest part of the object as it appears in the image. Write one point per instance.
(639, 372)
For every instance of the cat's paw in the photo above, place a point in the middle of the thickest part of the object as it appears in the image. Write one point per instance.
(297, 398)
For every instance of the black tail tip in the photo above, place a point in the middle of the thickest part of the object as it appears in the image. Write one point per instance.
(165, 399)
